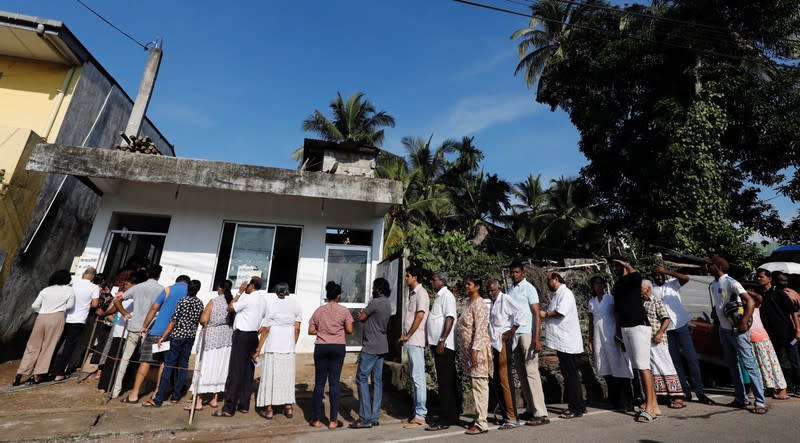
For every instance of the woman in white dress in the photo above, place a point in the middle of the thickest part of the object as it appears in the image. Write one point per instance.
(610, 360)
(218, 323)
(278, 336)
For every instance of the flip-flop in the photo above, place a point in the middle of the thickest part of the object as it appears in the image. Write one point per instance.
(221, 414)
(127, 400)
(645, 417)
(189, 408)
(150, 404)
(759, 410)
(677, 404)
(475, 431)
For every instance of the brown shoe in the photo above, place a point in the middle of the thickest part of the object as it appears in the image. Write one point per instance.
(413, 423)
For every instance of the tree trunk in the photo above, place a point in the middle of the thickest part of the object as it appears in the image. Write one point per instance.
(481, 232)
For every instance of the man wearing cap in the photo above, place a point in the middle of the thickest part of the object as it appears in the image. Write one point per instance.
(735, 338)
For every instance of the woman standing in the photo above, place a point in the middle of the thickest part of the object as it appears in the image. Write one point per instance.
(768, 363)
(610, 361)
(217, 322)
(330, 322)
(475, 352)
(51, 304)
(280, 330)
(665, 377)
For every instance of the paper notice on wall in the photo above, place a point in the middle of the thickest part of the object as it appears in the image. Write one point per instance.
(80, 263)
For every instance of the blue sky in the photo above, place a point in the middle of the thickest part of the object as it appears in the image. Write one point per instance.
(238, 77)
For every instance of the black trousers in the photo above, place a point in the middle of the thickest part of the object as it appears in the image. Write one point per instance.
(239, 385)
(568, 363)
(620, 392)
(69, 339)
(446, 376)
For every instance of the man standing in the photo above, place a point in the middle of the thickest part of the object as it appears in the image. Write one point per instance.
(679, 338)
(87, 295)
(161, 310)
(529, 345)
(414, 339)
(635, 330)
(735, 338)
(563, 334)
(442, 342)
(504, 320)
(373, 347)
(250, 307)
(779, 319)
(143, 295)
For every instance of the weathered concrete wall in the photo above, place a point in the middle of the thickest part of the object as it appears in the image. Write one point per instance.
(121, 165)
(350, 163)
(67, 224)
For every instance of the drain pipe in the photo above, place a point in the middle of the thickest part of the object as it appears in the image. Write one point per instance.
(57, 106)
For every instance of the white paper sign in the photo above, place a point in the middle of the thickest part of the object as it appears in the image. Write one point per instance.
(164, 346)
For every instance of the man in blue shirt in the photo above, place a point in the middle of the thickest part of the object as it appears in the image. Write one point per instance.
(162, 310)
(529, 345)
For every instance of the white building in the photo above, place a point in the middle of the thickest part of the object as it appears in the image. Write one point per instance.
(215, 221)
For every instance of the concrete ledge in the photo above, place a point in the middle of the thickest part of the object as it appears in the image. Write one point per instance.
(111, 164)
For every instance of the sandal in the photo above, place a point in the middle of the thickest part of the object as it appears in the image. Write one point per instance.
(266, 413)
(736, 404)
(288, 411)
(127, 400)
(537, 421)
(759, 410)
(221, 414)
(506, 427)
(645, 417)
(677, 404)
(475, 431)
(566, 415)
(703, 398)
(150, 404)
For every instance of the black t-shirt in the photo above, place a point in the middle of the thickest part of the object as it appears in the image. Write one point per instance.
(628, 302)
(775, 311)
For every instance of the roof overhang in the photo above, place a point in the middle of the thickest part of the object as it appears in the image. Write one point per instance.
(36, 38)
(104, 168)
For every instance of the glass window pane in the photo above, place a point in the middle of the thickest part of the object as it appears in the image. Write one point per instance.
(348, 268)
(354, 339)
(251, 253)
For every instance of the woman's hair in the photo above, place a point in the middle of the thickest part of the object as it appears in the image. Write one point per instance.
(194, 287)
(475, 281)
(61, 277)
(381, 286)
(332, 290)
(226, 289)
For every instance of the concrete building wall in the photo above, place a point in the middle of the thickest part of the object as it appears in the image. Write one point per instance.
(197, 217)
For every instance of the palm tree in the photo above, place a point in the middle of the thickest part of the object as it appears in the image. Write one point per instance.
(529, 215)
(354, 120)
(542, 41)
(480, 201)
(567, 213)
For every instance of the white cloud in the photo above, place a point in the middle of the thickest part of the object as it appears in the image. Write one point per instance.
(471, 115)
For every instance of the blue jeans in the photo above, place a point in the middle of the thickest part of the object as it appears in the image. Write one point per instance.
(328, 361)
(737, 348)
(178, 356)
(369, 404)
(416, 366)
(682, 349)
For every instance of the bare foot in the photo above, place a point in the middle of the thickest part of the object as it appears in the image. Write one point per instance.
(316, 424)
(335, 424)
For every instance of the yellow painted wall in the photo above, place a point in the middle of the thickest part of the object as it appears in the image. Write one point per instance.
(19, 191)
(29, 91)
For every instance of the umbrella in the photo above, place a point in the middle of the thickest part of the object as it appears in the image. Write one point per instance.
(787, 267)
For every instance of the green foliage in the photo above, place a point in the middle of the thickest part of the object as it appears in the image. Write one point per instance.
(354, 120)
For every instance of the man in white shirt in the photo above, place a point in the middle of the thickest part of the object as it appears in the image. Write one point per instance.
(679, 338)
(250, 306)
(735, 338)
(441, 339)
(504, 320)
(563, 334)
(529, 345)
(87, 296)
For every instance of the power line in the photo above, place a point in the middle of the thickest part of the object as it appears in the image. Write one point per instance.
(145, 47)
(573, 25)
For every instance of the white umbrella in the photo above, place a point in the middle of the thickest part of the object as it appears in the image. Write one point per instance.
(787, 267)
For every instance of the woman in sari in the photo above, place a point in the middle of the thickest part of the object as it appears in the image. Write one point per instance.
(475, 352)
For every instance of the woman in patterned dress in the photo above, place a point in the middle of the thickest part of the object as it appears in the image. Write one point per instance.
(665, 376)
(475, 352)
(218, 332)
(768, 363)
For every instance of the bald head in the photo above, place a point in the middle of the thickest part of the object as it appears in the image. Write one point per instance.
(90, 273)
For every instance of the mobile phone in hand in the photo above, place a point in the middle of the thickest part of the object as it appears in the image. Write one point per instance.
(619, 341)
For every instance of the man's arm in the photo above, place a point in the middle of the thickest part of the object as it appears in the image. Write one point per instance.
(682, 278)
(536, 327)
(448, 326)
(118, 304)
(151, 314)
(749, 307)
(413, 328)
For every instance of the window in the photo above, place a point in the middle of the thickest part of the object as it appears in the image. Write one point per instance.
(250, 250)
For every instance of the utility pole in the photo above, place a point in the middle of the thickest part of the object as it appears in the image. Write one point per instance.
(145, 91)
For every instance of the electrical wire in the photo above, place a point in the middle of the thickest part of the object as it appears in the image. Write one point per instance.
(145, 47)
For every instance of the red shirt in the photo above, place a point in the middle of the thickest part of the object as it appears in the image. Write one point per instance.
(330, 320)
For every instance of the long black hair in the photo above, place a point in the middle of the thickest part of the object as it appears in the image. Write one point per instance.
(226, 288)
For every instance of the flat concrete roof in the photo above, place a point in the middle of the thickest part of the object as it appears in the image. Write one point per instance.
(105, 166)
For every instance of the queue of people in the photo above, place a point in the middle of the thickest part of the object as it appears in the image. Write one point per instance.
(638, 336)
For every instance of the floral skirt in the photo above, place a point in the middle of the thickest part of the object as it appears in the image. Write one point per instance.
(769, 365)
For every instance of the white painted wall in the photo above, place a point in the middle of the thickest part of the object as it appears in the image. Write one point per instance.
(197, 216)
